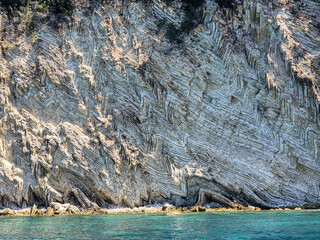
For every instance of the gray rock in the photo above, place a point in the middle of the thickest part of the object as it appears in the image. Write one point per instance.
(73, 209)
(50, 211)
(34, 209)
(96, 113)
(56, 206)
(168, 207)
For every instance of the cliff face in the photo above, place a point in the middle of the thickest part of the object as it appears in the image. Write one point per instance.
(105, 110)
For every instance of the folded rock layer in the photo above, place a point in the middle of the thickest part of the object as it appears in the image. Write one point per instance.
(105, 110)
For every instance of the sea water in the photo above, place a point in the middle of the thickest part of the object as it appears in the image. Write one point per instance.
(227, 225)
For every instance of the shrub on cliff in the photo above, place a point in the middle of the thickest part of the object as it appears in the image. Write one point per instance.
(225, 3)
(192, 17)
(12, 4)
(59, 6)
(65, 6)
(172, 33)
(194, 3)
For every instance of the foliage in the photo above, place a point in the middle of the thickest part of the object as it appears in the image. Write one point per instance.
(10, 5)
(33, 36)
(7, 46)
(44, 5)
(65, 6)
(193, 3)
(225, 3)
(172, 33)
(192, 17)
(59, 6)
(27, 18)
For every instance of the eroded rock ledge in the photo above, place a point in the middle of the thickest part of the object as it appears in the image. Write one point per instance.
(58, 209)
(106, 111)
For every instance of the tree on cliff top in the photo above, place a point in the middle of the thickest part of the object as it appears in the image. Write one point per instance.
(59, 6)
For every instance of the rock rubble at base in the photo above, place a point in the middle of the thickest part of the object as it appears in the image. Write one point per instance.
(56, 209)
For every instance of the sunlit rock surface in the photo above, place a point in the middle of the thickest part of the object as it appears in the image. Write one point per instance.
(105, 110)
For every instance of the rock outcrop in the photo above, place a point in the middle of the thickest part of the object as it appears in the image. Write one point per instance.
(104, 110)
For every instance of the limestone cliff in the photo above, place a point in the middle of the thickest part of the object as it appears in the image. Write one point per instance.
(101, 108)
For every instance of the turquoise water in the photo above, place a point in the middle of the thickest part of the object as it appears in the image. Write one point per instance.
(243, 225)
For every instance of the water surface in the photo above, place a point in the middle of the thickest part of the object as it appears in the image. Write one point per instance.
(236, 225)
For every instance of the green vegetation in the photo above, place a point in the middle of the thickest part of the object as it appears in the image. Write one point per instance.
(31, 11)
(192, 17)
(173, 33)
(33, 36)
(192, 13)
(65, 6)
(58, 6)
(27, 18)
(7, 46)
(226, 3)
(11, 5)
(44, 6)
(192, 3)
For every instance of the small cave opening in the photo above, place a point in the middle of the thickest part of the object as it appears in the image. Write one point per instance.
(34, 198)
(210, 201)
(72, 199)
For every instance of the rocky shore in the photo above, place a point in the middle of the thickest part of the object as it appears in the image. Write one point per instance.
(57, 209)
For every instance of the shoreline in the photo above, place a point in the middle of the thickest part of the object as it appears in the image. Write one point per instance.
(58, 209)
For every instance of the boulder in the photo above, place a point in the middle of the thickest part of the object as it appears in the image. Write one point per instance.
(25, 211)
(34, 209)
(73, 209)
(168, 207)
(6, 212)
(56, 206)
(250, 208)
(41, 212)
(50, 211)
(198, 209)
(102, 211)
(142, 209)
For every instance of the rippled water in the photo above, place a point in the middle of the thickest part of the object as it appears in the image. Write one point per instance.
(237, 225)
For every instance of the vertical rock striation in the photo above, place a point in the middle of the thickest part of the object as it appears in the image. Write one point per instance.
(106, 111)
